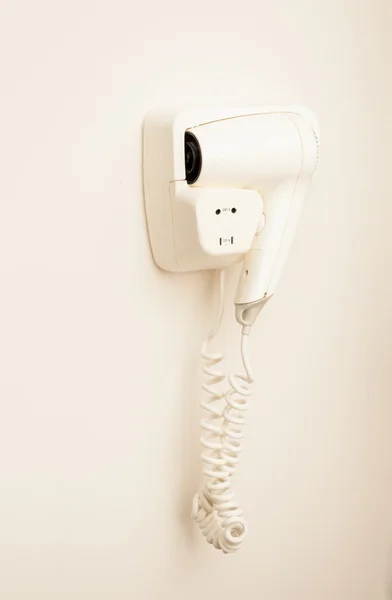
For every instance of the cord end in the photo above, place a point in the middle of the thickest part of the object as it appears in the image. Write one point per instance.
(246, 314)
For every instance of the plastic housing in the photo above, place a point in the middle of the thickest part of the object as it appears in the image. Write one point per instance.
(258, 161)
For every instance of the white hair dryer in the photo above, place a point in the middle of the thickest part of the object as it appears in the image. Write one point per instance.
(223, 186)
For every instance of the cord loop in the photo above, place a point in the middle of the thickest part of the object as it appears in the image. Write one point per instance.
(215, 509)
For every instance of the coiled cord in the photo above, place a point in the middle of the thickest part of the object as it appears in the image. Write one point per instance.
(215, 508)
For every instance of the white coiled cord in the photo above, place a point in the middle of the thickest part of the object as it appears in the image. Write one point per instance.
(215, 508)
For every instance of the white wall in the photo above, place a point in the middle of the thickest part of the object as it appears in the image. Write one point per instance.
(99, 349)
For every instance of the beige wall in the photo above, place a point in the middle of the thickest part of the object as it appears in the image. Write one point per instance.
(99, 349)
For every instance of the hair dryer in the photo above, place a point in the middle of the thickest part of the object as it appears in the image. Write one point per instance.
(275, 154)
(222, 186)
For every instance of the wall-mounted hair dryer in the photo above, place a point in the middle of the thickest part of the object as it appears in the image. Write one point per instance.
(223, 186)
